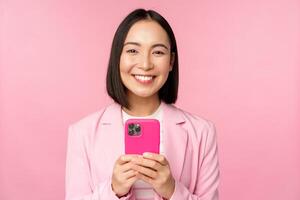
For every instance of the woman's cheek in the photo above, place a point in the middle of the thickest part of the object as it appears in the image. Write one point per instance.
(127, 62)
(164, 64)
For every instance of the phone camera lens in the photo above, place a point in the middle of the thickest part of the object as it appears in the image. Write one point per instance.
(137, 128)
(134, 129)
(131, 130)
(131, 126)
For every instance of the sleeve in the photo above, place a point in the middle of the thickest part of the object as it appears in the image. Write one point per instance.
(78, 174)
(208, 174)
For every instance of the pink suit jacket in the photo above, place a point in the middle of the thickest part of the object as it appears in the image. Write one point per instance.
(96, 141)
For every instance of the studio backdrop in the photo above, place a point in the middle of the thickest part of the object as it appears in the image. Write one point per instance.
(239, 67)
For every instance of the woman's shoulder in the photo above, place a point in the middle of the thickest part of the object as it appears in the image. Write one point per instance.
(92, 119)
(198, 124)
(195, 123)
(192, 117)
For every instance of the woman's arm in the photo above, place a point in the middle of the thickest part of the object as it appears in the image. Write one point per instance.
(78, 174)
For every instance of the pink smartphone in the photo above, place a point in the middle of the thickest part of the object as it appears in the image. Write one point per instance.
(142, 135)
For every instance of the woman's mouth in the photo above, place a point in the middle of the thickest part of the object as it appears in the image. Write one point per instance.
(145, 79)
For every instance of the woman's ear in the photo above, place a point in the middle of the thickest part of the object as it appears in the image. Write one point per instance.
(172, 61)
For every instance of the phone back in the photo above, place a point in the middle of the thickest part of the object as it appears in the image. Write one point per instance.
(142, 135)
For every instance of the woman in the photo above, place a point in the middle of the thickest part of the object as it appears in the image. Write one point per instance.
(142, 79)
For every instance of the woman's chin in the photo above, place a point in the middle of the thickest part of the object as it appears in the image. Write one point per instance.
(141, 94)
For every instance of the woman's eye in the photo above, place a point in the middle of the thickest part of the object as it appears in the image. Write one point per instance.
(131, 51)
(159, 52)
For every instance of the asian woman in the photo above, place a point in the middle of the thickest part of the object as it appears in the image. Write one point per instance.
(142, 79)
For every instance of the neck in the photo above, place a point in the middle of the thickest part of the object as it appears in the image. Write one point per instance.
(140, 106)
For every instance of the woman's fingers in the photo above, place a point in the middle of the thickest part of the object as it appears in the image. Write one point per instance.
(156, 157)
(130, 181)
(128, 165)
(150, 163)
(129, 174)
(145, 178)
(151, 168)
(146, 171)
(125, 158)
(123, 176)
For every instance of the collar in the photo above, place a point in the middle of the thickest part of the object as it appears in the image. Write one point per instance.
(113, 113)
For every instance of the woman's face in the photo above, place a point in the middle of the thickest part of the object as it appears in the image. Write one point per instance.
(145, 59)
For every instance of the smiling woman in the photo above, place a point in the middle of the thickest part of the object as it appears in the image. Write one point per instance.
(142, 79)
(146, 60)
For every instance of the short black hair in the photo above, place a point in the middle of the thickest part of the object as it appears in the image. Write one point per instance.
(114, 86)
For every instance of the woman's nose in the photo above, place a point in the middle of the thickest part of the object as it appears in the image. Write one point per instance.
(146, 63)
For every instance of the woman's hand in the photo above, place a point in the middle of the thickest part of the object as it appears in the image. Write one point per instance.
(154, 169)
(123, 175)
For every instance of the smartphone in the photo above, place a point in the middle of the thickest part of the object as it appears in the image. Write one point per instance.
(142, 135)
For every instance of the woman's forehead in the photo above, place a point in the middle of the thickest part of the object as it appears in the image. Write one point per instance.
(147, 32)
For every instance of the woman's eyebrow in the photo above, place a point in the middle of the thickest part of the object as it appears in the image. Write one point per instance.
(155, 45)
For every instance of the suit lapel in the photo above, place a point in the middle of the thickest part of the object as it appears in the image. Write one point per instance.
(175, 138)
(112, 133)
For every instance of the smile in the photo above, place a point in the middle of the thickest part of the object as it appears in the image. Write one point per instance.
(143, 78)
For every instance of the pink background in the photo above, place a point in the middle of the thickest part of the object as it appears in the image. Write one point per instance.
(239, 67)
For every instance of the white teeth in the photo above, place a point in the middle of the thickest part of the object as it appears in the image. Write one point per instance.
(143, 78)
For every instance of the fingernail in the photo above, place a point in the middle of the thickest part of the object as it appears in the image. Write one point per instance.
(147, 154)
